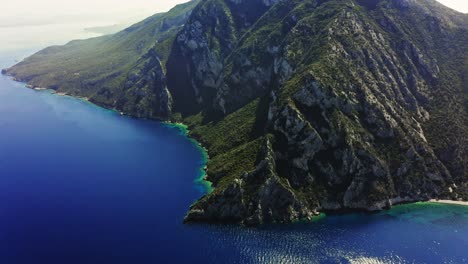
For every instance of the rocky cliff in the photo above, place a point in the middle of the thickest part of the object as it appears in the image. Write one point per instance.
(310, 105)
(352, 95)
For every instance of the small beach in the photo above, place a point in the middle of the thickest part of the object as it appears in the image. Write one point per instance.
(449, 202)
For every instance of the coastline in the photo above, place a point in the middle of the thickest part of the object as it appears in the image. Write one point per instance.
(201, 178)
(202, 183)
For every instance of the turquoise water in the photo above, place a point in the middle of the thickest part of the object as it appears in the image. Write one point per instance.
(81, 184)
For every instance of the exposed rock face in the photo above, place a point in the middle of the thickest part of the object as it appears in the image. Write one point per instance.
(274, 200)
(148, 89)
(210, 36)
(352, 102)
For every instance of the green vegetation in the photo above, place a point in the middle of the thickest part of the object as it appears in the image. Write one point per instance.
(228, 133)
(98, 68)
(233, 142)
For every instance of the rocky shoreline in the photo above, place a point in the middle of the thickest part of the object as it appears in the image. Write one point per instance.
(196, 214)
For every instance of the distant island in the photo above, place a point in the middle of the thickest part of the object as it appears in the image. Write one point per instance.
(305, 106)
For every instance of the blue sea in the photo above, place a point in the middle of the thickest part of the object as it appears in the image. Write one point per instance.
(81, 184)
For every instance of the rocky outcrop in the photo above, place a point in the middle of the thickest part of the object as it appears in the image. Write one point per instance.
(147, 94)
(211, 35)
(349, 124)
(259, 196)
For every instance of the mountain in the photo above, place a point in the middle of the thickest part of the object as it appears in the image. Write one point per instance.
(304, 105)
(113, 70)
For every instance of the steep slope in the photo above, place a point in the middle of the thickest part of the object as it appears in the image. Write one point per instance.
(196, 65)
(312, 105)
(114, 70)
(361, 104)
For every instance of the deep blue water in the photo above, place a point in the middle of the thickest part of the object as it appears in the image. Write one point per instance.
(81, 184)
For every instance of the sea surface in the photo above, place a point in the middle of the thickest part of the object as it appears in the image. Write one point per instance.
(81, 184)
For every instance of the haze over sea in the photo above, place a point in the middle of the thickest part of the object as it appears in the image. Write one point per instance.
(81, 184)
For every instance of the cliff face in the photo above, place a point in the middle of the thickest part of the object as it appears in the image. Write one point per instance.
(312, 105)
(353, 97)
(197, 65)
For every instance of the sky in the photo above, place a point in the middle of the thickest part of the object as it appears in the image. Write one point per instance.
(25, 12)
(460, 5)
(34, 24)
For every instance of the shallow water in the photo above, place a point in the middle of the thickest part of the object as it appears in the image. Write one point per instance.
(81, 184)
